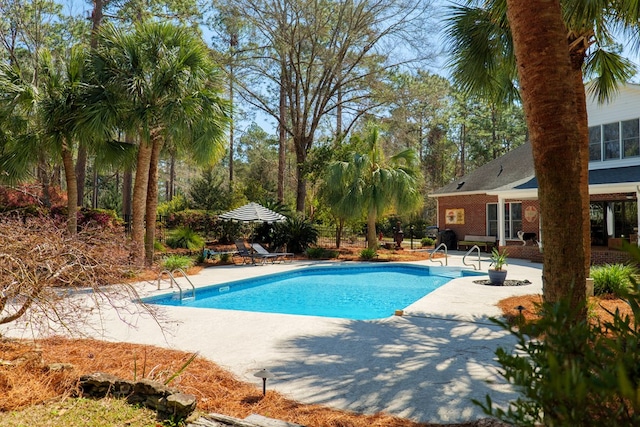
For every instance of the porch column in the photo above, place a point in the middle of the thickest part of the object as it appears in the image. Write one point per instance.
(501, 237)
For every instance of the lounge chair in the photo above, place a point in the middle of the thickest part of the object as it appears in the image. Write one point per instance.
(273, 256)
(248, 256)
(210, 253)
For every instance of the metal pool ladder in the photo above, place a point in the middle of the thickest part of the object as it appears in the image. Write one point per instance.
(172, 281)
(446, 257)
(464, 258)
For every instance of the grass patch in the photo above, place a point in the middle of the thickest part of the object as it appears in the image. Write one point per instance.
(81, 413)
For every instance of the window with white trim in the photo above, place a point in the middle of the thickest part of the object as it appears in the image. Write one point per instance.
(512, 219)
(614, 141)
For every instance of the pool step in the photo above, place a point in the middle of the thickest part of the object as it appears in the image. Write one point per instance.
(253, 420)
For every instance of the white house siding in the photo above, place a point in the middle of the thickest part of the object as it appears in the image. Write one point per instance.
(624, 106)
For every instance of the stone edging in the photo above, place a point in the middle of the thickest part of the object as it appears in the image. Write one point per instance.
(167, 401)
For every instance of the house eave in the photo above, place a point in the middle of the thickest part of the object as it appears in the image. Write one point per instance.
(460, 193)
(622, 187)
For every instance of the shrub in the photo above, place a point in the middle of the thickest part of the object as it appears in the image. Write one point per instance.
(612, 278)
(201, 221)
(321, 253)
(427, 241)
(368, 254)
(177, 204)
(159, 247)
(296, 234)
(98, 217)
(580, 373)
(174, 262)
(186, 238)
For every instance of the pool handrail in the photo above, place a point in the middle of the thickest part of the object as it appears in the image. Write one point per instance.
(446, 256)
(173, 280)
(474, 247)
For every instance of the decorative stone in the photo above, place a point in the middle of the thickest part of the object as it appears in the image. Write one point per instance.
(167, 401)
(59, 367)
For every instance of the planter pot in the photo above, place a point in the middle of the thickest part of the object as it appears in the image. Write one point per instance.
(497, 277)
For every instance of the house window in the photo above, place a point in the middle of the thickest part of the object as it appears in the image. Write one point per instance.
(611, 140)
(631, 138)
(512, 219)
(595, 143)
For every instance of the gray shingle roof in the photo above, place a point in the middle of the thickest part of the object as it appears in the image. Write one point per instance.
(505, 172)
(600, 177)
(515, 170)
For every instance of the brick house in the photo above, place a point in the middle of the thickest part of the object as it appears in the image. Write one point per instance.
(500, 198)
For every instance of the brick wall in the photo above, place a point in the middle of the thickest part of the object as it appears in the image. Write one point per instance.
(475, 211)
(475, 223)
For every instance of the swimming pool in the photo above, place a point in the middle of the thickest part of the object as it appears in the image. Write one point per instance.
(362, 292)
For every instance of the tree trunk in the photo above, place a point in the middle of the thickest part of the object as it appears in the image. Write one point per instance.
(233, 44)
(81, 161)
(339, 228)
(577, 61)
(43, 177)
(549, 100)
(81, 172)
(231, 129)
(140, 203)
(152, 202)
(282, 141)
(95, 190)
(72, 191)
(339, 115)
(372, 236)
(301, 189)
(172, 178)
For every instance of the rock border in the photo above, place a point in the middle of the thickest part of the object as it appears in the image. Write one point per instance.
(166, 401)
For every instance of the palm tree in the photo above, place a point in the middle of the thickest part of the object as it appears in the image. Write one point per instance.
(369, 184)
(62, 93)
(484, 63)
(54, 107)
(159, 82)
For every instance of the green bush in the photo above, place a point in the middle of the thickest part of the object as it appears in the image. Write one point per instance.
(427, 241)
(368, 254)
(174, 262)
(201, 221)
(177, 204)
(186, 238)
(159, 247)
(295, 234)
(225, 258)
(579, 373)
(321, 253)
(612, 278)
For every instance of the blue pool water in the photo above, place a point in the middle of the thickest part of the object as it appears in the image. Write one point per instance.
(351, 292)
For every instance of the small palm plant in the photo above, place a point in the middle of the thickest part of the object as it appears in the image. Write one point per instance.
(499, 259)
(497, 275)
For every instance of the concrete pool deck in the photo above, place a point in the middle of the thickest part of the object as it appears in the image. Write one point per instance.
(426, 365)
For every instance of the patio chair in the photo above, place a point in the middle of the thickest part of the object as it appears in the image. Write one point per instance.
(248, 256)
(273, 256)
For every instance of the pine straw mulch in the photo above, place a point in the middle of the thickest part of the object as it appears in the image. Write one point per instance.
(600, 307)
(30, 383)
(26, 380)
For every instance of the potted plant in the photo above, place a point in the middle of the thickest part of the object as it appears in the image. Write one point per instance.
(497, 274)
